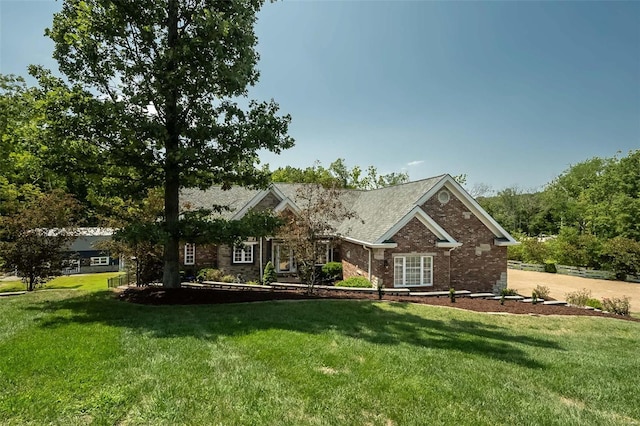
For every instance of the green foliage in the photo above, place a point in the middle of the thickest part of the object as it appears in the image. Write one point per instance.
(616, 305)
(622, 255)
(269, 276)
(593, 303)
(189, 62)
(332, 270)
(355, 282)
(550, 267)
(33, 239)
(338, 175)
(452, 295)
(542, 291)
(534, 297)
(508, 292)
(579, 297)
(212, 274)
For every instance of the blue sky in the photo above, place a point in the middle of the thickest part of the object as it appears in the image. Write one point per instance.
(510, 93)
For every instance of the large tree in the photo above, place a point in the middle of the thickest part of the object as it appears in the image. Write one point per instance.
(170, 75)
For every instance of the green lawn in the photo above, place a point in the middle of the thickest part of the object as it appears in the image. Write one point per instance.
(78, 357)
(90, 282)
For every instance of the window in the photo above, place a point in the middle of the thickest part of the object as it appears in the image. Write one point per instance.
(324, 253)
(189, 254)
(283, 258)
(100, 261)
(415, 270)
(243, 254)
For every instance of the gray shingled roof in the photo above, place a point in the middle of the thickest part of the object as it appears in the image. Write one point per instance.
(234, 198)
(377, 210)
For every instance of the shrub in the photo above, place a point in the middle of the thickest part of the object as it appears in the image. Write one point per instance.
(508, 292)
(252, 283)
(228, 279)
(452, 295)
(550, 267)
(210, 274)
(622, 256)
(594, 303)
(616, 305)
(579, 297)
(332, 270)
(355, 282)
(534, 297)
(542, 291)
(269, 276)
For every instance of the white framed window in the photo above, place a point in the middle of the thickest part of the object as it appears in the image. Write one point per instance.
(189, 254)
(100, 261)
(283, 258)
(243, 253)
(412, 270)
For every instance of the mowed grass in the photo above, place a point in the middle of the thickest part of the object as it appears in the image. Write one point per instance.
(78, 357)
(88, 282)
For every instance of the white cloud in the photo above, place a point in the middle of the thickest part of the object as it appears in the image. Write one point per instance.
(415, 163)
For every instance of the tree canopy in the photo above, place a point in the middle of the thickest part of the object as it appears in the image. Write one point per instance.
(338, 175)
(169, 77)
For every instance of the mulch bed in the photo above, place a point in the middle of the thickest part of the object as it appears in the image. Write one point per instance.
(205, 296)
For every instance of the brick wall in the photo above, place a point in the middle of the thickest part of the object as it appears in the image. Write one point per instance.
(478, 265)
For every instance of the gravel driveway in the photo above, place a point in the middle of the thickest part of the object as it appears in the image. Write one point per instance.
(560, 285)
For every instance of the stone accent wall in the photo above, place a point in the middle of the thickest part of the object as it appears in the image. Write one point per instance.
(206, 257)
(249, 271)
(478, 265)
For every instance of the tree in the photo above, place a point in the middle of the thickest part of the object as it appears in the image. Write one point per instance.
(169, 74)
(34, 238)
(305, 231)
(338, 175)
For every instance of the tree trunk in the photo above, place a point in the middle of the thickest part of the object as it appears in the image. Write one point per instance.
(171, 273)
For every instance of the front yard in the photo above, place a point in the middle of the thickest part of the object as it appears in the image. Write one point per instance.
(81, 357)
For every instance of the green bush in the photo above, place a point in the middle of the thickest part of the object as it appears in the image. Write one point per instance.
(332, 270)
(452, 295)
(355, 282)
(252, 283)
(622, 256)
(269, 276)
(211, 274)
(228, 279)
(550, 267)
(616, 305)
(508, 292)
(579, 297)
(594, 303)
(542, 291)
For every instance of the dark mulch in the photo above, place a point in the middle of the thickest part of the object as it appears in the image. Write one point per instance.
(205, 296)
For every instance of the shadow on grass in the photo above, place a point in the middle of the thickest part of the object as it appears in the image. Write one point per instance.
(370, 321)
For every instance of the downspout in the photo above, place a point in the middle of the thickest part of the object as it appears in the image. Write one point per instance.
(260, 262)
(450, 250)
(369, 267)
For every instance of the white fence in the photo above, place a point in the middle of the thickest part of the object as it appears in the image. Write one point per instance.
(570, 270)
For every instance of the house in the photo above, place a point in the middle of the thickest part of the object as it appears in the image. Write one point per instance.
(85, 254)
(424, 235)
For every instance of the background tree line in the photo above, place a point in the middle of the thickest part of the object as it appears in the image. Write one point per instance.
(592, 210)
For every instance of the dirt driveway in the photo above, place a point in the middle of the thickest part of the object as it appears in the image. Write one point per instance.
(560, 285)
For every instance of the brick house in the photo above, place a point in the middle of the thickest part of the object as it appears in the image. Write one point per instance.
(424, 235)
